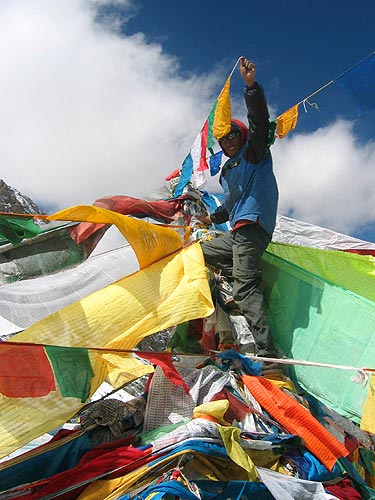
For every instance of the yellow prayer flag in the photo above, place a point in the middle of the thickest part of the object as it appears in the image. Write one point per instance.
(231, 440)
(110, 489)
(167, 293)
(215, 409)
(149, 242)
(287, 122)
(221, 124)
(368, 420)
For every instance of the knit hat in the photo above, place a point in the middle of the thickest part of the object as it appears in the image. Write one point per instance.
(238, 126)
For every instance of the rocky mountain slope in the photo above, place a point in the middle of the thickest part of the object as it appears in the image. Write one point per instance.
(12, 201)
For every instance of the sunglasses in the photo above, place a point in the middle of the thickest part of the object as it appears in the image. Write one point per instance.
(229, 137)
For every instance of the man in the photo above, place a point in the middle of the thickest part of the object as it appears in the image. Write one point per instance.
(251, 197)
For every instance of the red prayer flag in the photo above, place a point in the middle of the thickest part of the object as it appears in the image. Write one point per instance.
(25, 371)
(203, 165)
(164, 360)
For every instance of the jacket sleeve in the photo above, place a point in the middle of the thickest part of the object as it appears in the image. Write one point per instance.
(258, 116)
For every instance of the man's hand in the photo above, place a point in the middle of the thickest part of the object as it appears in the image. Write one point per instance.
(247, 70)
(204, 219)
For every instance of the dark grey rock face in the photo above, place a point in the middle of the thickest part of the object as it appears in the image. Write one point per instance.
(12, 201)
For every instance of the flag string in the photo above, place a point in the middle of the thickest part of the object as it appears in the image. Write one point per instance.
(234, 67)
(355, 65)
(362, 371)
(303, 101)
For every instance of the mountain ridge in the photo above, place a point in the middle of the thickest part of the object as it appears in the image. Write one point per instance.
(13, 201)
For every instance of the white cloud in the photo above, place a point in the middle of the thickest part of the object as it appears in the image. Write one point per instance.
(327, 178)
(88, 112)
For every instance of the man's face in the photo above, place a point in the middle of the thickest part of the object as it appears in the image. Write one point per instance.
(231, 143)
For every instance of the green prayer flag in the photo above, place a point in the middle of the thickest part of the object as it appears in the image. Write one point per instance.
(210, 137)
(321, 308)
(15, 229)
(368, 459)
(183, 338)
(73, 370)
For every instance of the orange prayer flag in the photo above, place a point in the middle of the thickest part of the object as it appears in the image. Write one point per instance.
(296, 420)
(287, 121)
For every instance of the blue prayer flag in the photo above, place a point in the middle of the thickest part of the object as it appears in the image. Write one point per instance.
(212, 202)
(215, 162)
(359, 82)
(185, 175)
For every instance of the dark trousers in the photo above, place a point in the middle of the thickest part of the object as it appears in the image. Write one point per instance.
(238, 256)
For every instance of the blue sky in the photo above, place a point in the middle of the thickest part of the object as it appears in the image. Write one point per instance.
(103, 98)
(298, 46)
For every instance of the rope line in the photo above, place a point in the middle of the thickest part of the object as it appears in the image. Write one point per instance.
(327, 84)
(362, 372)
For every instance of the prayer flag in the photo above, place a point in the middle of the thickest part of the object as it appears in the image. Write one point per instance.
(185, 175)
(202, 160)
(367, 422)
(359, 82)
(149, 242)
(217, 125)
(25, 371)
(198, 155)
(73, 370)
(164, 360)
(210, 122)
(173, 174)
(15, 229)
(287, 122)
(215, 162)
(222, 114)
(297, 420)
(192, 167)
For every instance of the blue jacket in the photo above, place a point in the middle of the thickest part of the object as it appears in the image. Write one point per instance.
(248, 181)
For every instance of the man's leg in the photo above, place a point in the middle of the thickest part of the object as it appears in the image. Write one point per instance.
(249, 243)
(219, 253)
